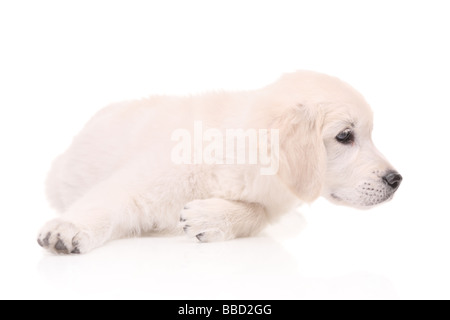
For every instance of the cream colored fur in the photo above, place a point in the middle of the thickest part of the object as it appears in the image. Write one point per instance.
(117, 178)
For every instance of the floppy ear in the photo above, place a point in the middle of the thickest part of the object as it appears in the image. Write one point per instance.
(302, 151)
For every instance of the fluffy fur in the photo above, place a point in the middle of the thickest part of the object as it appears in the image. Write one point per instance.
(117, 178)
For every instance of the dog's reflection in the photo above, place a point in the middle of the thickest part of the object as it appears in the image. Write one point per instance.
(179, 268)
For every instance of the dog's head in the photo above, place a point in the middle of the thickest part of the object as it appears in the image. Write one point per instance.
(325, 143)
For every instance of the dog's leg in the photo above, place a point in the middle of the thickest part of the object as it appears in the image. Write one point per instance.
(110, 210)
(218, 219)
(87, 224)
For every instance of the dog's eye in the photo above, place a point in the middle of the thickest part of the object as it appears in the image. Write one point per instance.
(345, 136)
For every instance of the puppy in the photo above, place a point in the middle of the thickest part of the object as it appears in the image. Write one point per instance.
(168, 164)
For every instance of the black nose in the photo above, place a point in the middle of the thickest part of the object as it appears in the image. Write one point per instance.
(393, 179)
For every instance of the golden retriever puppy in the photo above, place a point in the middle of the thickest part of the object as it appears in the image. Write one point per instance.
(216, 166)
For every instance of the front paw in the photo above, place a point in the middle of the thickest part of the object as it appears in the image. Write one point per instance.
(62, 237)
(199, 220)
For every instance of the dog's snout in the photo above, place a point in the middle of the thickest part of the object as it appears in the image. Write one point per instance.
(393, 179)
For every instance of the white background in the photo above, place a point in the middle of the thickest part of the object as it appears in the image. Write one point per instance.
(61, 61)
